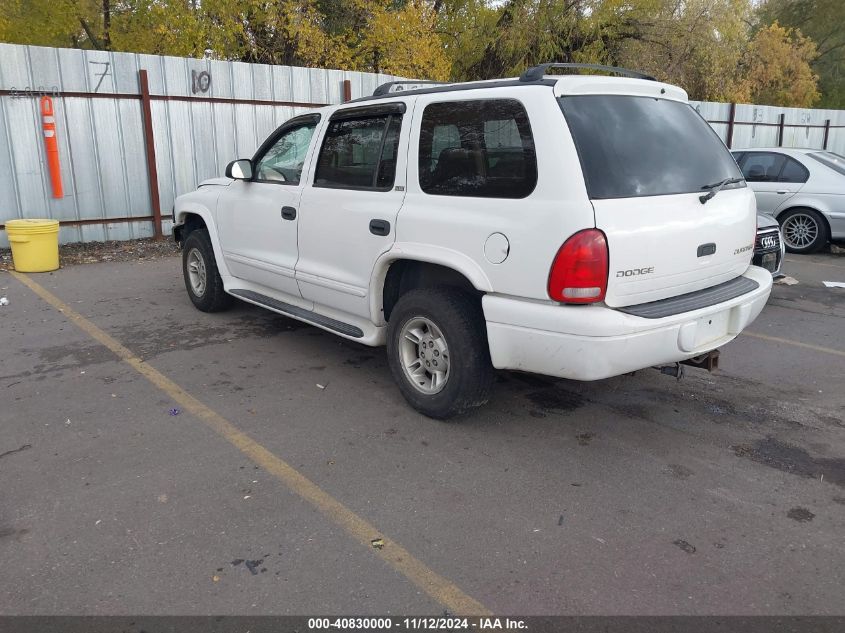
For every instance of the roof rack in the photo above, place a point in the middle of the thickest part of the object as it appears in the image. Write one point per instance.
(537, 72)
(387, 88)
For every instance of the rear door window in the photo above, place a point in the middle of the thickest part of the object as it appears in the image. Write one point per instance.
(793, 171)
(482, 148)
(359, 153)
(633, 146)
(763, 166)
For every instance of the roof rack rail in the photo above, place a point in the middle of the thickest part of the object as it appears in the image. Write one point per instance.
(387, 88)
(537, 72)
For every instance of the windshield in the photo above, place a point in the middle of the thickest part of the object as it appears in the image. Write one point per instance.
(834, 161)
(640, 146)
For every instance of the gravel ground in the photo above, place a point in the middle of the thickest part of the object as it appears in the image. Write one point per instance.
(94, 252)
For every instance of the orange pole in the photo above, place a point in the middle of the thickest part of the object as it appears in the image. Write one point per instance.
(51, 145)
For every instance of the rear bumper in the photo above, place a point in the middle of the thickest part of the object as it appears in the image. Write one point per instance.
(595, 342)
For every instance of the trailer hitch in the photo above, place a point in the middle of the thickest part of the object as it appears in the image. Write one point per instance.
(708, 361)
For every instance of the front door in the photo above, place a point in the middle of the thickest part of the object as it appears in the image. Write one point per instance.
(348, 215)
(258, 219)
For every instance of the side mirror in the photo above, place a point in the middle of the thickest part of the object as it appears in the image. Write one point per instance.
(239, 169)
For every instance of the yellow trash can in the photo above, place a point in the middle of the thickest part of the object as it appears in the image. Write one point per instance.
(35, 244)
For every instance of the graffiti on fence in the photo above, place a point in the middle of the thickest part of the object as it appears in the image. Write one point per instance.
(35, 91)
(105, 73)
(200, 82)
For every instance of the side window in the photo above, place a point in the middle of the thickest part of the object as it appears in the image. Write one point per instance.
(359, 153)
(481, 148)
(443, 137)
(793, 171)
(762, 166)
(283, 162)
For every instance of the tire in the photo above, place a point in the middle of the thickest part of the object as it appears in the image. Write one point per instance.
(202, 279)
(804, 230)
(452, 326)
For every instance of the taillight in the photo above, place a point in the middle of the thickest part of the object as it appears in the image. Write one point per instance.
(579, 271)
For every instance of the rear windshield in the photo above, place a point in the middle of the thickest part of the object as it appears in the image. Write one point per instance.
(640, 146)
(834, 161)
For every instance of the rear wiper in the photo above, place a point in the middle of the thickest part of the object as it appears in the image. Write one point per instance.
(716, 187)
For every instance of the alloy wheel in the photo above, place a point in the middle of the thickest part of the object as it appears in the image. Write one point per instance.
(424, 355)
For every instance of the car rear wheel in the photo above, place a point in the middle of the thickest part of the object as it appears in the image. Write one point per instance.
(437, 351)
(804, 230)
(202, 279)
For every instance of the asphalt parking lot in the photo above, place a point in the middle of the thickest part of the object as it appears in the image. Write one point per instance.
(158, 460)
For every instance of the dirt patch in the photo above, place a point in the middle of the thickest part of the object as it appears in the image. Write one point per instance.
(802, 515)
(794, 460)
(94, 252)
(556, 400)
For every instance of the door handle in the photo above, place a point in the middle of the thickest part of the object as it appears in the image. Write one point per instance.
(288, 213)
(783, 191)
(379, 227)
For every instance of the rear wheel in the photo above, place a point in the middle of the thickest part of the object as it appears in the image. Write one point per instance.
(202, 279)
(804, 230)
(437, 351)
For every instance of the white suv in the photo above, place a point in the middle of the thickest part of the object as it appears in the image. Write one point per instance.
(580, 226)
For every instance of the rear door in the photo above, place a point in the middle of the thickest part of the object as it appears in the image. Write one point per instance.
(348, 212)
(773, 176)
(647, 161)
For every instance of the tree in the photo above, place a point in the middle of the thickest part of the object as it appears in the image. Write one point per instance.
(777, 68)
(465, 28)
(370, 35)
(402, 42)
(696, 44)
(822, 21)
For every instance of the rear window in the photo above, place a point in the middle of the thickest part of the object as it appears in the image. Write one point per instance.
(640, 146)
(834, 161)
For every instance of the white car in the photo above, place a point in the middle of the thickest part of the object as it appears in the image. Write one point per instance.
(803, 188)
(575, 226)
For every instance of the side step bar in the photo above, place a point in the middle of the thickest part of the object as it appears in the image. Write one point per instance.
(300, 313)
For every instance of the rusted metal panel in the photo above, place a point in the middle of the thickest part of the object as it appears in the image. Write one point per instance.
(149, 152)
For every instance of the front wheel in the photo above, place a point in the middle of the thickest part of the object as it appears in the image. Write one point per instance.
(437, 351)
(804, 230)
(202, 279)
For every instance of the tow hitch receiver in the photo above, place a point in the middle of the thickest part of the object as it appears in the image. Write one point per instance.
(708, 361)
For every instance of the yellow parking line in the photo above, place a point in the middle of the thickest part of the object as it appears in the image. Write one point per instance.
(786, 341)
(436, 586)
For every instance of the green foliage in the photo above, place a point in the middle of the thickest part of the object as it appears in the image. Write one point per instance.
(716, 49)
(778, 68)
(823, 21)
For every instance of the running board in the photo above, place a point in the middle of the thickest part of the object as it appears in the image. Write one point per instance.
(300, 313)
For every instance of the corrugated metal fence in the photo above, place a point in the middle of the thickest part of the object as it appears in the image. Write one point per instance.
(203, 114)
(742, 126)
